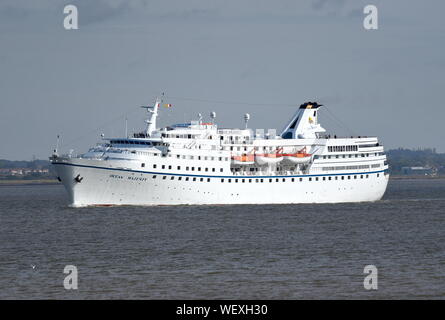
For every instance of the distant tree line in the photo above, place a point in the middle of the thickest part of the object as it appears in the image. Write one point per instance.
(399, 158)
(34, 164)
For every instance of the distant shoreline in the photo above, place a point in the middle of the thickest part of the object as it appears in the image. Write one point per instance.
(29, 182)
(400, 177)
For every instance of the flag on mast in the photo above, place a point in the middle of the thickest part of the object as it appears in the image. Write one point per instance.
(167, 105)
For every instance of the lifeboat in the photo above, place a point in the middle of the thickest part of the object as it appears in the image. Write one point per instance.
(300, 156)
(243, 159)
(268, 158)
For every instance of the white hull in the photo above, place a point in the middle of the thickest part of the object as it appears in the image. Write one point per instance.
(103, 185)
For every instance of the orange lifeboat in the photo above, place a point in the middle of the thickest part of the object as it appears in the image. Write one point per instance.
(301, 156)
(244, 159)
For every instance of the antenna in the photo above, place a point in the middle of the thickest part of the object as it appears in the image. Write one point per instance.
(246, 118)
(199, 117)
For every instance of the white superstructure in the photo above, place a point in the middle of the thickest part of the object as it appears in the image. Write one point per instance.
(199, 163)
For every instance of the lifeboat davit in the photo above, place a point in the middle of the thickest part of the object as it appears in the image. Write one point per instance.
(300, 156)
(244, 159)
(268, 158)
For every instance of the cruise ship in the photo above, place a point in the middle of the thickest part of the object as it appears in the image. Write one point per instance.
(198, 163)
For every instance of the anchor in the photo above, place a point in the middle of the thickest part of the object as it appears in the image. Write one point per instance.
(78, 178)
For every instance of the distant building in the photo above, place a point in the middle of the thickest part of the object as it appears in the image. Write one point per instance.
(21, 171)
(421, 171)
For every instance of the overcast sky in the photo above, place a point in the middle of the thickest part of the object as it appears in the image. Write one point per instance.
(264, 57)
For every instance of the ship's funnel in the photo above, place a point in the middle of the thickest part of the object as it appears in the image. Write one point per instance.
(304, 123)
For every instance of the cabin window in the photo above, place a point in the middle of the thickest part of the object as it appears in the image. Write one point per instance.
(142, 165)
